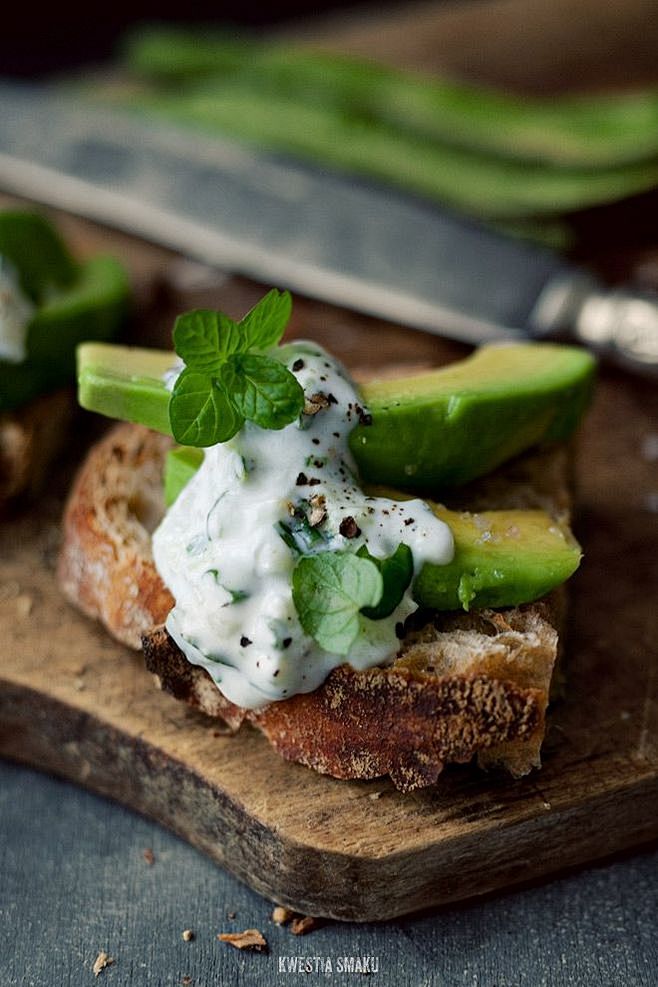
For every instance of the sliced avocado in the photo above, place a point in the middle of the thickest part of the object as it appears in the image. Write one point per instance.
(93, 307)
(181, 464)
(126, 382)
(502, 558)
(449, 426)
(37, 252)
(429, 431)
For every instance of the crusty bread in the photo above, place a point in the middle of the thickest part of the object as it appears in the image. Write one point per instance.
(462, 685)
(30, 439)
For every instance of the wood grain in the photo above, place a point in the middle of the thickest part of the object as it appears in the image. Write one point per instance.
(75, 703)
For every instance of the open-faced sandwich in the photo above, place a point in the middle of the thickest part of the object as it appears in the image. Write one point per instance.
(48, 304)
(369, 575)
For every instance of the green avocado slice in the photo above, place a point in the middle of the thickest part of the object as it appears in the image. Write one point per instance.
(433, 430)
(502, 558)
(93, 306)
(449, 426)
(37, 252)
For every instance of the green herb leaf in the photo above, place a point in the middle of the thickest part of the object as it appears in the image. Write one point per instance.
(328, 591)
(222, 383)
(397, 571)
(201, 413)
(265, 324)
(263, 390)
(204, 339)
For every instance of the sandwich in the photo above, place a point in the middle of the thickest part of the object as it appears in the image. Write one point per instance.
(48, 304)
(371, 576)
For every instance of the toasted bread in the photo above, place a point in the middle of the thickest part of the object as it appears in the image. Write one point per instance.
(464, 684)
(30, 439)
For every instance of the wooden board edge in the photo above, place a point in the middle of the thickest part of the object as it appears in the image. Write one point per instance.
(58, 738)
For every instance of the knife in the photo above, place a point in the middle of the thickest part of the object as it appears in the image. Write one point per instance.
(324, 234)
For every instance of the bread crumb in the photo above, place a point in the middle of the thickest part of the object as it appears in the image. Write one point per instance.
(300, 926)
(249, 939)
(188, 935)
(375, 796)
(186, 980)
(79, 684)
(101, 961)
(149, 856)
(281, 915)
(231, 914)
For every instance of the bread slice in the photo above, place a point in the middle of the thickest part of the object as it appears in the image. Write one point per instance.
(30, 438)
(464, 684)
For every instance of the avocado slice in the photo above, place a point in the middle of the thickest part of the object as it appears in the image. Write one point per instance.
(449, 426)
(181, 463)
(92, 306)
(502, 558)
(37, 252)
(433, 430)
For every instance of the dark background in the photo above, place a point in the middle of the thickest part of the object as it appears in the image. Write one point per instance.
(65, 36)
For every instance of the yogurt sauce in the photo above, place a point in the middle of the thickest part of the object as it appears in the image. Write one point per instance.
(16, 310)
(224, 547)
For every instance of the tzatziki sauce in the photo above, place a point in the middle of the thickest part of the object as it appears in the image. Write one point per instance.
(16, 310)
(228, 545)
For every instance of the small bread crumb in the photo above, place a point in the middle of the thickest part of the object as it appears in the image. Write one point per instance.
(186, 980)
(249, 939)
(101, 961)
(300, 926)
(281, 915)
(149, 856)
(188, 935)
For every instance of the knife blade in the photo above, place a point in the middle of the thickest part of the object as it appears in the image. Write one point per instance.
(321, 233)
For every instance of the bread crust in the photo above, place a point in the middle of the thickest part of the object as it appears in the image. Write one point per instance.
(30, 438)
(462, 685)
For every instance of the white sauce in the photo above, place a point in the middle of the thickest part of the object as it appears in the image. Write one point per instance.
(219, 548)
(16, 310)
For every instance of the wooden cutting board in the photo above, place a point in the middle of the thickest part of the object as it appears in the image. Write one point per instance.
(74, 702)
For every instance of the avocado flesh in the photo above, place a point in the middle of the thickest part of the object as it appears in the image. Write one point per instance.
(430, 431)
(93, 307)
(502, 558)
(126, 382)
(449, 426)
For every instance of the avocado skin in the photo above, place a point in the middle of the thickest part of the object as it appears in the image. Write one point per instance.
(449, 426)
(92, 307)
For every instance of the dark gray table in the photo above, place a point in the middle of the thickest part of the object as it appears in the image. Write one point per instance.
(74, 881)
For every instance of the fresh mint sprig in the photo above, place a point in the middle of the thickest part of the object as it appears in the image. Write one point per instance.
(329, 590)
(224, 382)
(332, 590)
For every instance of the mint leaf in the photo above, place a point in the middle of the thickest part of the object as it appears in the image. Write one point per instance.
(200, 412)
(222, 383)
(328, 591)
(265, 324)
(397, 571)
(263, 390)
(204, 339)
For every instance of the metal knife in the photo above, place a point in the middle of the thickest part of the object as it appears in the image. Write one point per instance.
(320, 233)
